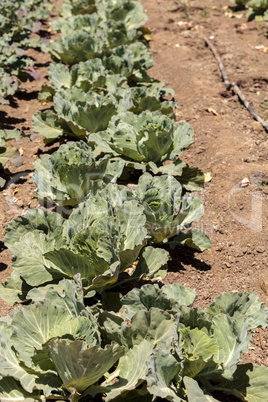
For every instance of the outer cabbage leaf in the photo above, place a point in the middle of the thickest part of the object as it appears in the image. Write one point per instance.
(247, 305)
(194, 238)
(190, 177)
(47, 124)
(195, 393)
(131, 372)
(249, 383)
(258, 6)
(96, 273)
(10, 154)
(162, 368)
(47, 222)
(14, 289)
(111, 326)
(9, 363)
(194, 318)
(7, 135)
(152, 99)
(28, 257)
(11, 390)
(79, 366)
(233, 338)
(168, 298)
(150, 262)
(36, 322)
(60, 76)
(118, 33)
(67, 293)
(8, 86)
(74, 7)
(28, 237)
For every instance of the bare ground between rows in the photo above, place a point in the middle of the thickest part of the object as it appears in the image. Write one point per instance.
(228, 143)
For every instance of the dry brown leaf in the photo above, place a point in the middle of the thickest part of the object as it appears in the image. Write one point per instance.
(245, 182)
(213, 111)
(264, 286)
(262, 48)
(208, 177)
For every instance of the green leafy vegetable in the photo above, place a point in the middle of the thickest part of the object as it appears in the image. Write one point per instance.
(68, 175)
(150, 141)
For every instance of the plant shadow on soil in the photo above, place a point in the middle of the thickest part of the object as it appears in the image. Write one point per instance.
(181, 256)
(24, 95)
(7, 122)
(3, 266)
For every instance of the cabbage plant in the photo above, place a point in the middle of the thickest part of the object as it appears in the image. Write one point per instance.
(150, 142)
(72, 173)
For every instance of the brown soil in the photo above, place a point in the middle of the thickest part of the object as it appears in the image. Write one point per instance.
(229, 144)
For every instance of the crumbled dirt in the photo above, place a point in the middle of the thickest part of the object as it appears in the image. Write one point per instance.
(229, 144)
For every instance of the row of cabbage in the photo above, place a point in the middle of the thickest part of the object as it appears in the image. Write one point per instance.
(18, 20)
(121, 199)
(120, 192)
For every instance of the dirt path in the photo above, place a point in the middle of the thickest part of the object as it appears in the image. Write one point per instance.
(228, 143)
